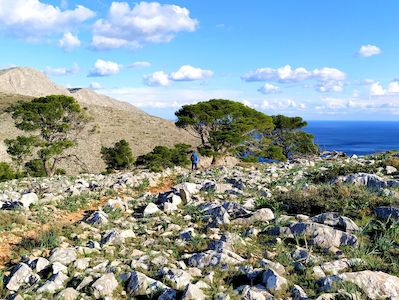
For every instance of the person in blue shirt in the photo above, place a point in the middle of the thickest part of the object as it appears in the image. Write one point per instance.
(194, 160)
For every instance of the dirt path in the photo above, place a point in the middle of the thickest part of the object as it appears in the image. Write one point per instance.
(9, 240)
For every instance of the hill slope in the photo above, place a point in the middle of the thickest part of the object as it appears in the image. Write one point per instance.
(112, 119)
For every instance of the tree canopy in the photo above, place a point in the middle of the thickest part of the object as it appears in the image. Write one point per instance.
(225, 126)
(54, 123)
(222, 125)
(162, 157)
(118, 157)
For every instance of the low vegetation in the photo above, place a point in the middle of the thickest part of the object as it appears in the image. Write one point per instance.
(162, 157)
(118, 157)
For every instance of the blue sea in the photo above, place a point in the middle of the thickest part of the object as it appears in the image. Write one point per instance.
(355, 137)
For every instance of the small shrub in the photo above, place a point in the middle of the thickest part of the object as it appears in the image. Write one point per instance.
(74, 203)
(349, 200)
(334, 171)
(392, 161)
(6, 172)
(47, 240)
(35, 168)
(163, 157)
(119, 157)
(8, 219)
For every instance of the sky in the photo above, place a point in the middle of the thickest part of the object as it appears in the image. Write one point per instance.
(321, 60)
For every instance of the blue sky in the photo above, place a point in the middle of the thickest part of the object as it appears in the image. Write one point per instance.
(316, 59)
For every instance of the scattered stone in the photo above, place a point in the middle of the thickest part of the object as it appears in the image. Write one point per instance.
(28, 199)
(63, 256)
(97, 218)
(104, 286)
(273, 281)
(192, 292)
(151, 209)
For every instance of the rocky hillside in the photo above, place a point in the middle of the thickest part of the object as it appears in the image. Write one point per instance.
(112, 120)
(308, 229)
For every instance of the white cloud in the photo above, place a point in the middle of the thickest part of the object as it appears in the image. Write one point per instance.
(283, 74)
(62, 71)
(102, 42)
(393, 87)
(184, 73)
(145, 22)
(69, 41)
(159, 78)
(249, 104)
(282, 105)
(368, 50)
(330, 86)
(95, 86)
(32, 19)
(152, 97)
(189, 73)
(376, 89)
(269, 88)
(104, 68)
(140, 64)
(328, 74)
(286, 74)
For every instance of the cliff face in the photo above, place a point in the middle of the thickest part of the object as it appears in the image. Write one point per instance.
(113, 120)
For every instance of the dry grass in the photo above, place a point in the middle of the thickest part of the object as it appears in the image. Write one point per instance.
(109, 125)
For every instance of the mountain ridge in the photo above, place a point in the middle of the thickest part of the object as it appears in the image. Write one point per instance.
(113, 120)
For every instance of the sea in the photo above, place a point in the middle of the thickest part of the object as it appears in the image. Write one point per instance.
(355, 137)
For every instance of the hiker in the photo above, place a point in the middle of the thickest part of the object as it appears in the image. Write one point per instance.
(194, 160)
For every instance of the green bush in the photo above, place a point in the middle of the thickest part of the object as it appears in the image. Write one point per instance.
(35, 168)
(6, 172)
(163, 157)
(119, 157)
(317, 176)
(349, 200)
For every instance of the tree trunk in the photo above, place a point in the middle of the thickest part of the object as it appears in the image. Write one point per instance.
(49, 171)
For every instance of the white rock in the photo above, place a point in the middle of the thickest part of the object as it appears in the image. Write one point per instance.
(64, 256)
(376, 285)
(54, 284)
(28, 199)
(20, 276)
(192, 292)
(151, 209)
(104, 286)
(273, 281)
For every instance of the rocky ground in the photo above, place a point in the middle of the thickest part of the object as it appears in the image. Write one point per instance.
(324, 228)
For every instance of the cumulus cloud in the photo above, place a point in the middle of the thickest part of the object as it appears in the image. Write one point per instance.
(376, 89)
(286, 74)
(95, 86)
(145, 22)
(184, 73)
(329, 79)
(283, 74)
(140, 64)
(330, 86)
(369, 50)
(62, 71)
(104, 68)
(282, 104)
(32, 19)
(269, 88)
(152, 97)
(189, 73)
(159, 78)
(393, 87)
(69, 41)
